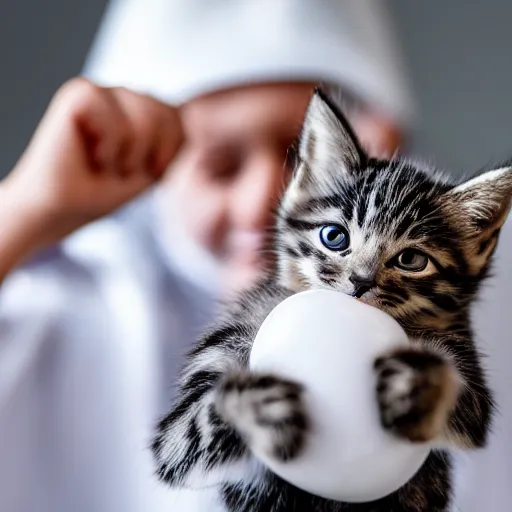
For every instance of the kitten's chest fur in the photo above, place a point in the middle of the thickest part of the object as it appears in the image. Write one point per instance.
(272, 494)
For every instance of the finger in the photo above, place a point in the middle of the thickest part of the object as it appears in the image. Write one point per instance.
(170, 138)
(99, 119)
(132, 185)
(144, 120)
(121, 166)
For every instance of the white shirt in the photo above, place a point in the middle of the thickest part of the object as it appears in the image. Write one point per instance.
(91, 338)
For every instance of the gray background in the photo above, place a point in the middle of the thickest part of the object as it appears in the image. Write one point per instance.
(457, 52)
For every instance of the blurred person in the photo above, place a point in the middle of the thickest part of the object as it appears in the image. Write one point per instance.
(243, 77)
(94, 327)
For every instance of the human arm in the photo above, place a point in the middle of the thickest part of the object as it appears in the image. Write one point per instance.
(94, 150)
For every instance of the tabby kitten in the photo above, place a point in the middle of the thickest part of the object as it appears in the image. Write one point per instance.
(395, 235)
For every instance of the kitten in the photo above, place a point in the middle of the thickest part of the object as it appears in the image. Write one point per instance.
(398, 237)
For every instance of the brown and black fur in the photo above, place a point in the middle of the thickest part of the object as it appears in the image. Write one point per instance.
(416, 246)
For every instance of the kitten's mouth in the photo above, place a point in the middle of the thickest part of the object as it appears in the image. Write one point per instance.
(367, 298)
(360, 299)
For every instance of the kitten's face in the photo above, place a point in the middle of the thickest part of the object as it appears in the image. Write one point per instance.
(390, 233)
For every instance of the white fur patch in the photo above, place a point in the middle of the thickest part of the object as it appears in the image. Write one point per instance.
(486, 177)
(486, 196)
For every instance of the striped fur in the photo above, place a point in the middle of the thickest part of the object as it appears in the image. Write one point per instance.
(436, 390)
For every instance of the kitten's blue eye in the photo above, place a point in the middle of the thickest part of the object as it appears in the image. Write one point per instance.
(411, 260)
(334, 238)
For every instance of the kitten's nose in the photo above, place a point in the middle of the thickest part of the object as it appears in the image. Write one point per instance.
(362, 284)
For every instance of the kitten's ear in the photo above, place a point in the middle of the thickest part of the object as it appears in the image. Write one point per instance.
(482, 203)
(328, 147)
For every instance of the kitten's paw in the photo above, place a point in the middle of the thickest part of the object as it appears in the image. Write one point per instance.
(266, 410)
(416, 391)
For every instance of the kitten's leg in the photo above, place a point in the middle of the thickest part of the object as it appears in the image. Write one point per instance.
(417, 391)
(192, 446)
(429, 395)
(266, 410)
(222, 408)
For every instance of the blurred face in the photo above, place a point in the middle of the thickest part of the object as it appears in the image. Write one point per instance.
(231, 171)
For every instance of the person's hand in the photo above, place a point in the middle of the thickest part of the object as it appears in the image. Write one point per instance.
(94, 150)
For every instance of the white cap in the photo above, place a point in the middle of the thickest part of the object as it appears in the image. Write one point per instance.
(178, 49)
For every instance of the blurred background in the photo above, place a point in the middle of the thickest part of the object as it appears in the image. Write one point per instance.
(457, 55)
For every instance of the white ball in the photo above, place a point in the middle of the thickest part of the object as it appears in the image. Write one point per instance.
(328, 341)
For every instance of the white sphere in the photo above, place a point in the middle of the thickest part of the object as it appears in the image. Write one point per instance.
(328, 341)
